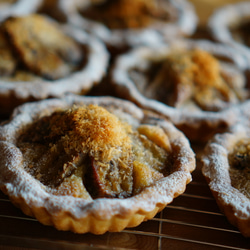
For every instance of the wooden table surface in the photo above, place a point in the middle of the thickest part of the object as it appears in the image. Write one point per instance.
(192, 221)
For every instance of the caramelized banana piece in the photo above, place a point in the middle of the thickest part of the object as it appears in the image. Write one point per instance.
(112, 179)
(8, 62)
(144, 176)
(155, 134)
(43, 48)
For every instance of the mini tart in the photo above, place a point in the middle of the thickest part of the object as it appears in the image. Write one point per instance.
(10, 8)
(189, 81)
(123, 24)
(231, 24)
(47, 60)
(94, 164)
(226, 169)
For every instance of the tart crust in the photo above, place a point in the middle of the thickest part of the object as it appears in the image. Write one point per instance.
(18, 8)
(99, 215)
(183, 24)
(31, 86)
(221, 172)
(194, 120)
(226, 19)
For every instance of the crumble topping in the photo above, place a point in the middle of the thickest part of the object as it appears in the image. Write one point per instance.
(90, 130)
(125, 13)
(89, 152)
(37, 45)
(239, 160)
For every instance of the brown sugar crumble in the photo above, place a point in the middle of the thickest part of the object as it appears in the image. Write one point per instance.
(239, 160)
(89, 152)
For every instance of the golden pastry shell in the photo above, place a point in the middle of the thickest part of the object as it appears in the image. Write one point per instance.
(15, 93)
(197, 125)
(185, 25)
(234, 204)
(75, 214)
(223, 18)
(19, 8)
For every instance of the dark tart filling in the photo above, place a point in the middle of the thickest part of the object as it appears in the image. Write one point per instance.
(125, 14)
(88, 152)
(241, 32)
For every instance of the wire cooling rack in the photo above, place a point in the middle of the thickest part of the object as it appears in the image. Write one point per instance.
(192, 221)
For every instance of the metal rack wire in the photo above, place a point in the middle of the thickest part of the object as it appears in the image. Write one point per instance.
(192, 221)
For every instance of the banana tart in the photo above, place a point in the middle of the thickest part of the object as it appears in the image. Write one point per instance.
(231, 24)
(41, 58)
(123, 24)
(189, 81)
(92, 164)
(226, 167)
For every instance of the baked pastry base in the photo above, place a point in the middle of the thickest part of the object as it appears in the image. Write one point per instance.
(119, 40)
(233, 203)
(81, 81)
(76, 214)
(197, 124)
(227, 17)
(19, 8)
